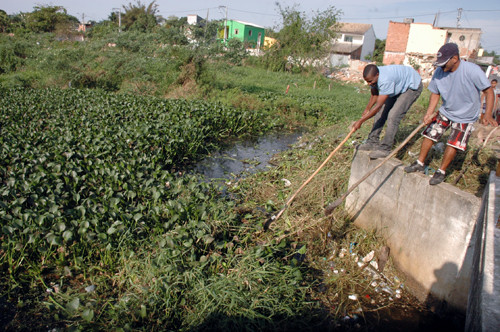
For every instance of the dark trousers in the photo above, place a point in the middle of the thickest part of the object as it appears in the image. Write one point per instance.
(392, 112)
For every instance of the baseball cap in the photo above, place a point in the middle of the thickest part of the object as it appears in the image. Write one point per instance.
(445, 53)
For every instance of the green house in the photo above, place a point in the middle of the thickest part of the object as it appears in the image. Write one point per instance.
(250, 34)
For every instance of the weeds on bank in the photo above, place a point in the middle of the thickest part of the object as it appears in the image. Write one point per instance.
(331, 247)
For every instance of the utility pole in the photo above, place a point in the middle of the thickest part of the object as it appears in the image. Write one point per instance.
(459, 17)
(84, 28)
(206, 25)
(436, 19)
(118, 10)
(225, 23)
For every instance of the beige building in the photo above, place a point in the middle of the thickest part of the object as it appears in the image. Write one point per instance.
(416, 44)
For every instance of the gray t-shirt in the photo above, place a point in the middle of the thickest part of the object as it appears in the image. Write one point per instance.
(460, 91)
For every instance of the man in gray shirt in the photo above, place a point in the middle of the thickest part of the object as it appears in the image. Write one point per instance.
(459, 84)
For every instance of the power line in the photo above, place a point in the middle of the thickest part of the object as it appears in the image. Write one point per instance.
(245, 11)
(392, 17)
(482, 10)
(191, 10)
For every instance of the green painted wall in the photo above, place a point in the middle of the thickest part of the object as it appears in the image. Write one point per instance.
(247, 33)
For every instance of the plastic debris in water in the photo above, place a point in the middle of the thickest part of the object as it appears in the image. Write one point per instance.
(387, 290)
(353, 297)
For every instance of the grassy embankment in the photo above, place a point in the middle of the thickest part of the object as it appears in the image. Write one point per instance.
(180, 256)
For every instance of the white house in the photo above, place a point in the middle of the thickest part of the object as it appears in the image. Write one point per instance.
(194, 19)
(355, 41)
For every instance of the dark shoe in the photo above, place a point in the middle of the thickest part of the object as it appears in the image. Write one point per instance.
(415, 167)
(379, 154)
(437, 178)
(368, 146)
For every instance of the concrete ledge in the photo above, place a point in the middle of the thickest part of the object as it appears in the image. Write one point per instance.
(483, 312)
(428, 228)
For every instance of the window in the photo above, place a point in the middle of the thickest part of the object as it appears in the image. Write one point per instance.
(236, 31)
(348, 39)
(462, 38)
(249, 32)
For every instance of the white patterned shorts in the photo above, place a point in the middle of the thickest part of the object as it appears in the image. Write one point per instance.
(459, 135)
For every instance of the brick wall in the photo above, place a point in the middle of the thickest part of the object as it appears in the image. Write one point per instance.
(397, 37)
(393, 58)
(395, 44)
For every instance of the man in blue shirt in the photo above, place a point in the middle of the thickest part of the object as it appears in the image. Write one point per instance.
(393, 90)
(458, 84)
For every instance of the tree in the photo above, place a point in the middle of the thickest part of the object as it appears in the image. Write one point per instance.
(496, 57)
(302, 40)
(378, 53)
(139, 17)
(49, 19)
(4, 21)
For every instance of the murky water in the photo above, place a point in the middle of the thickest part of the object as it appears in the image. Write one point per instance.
(244, 157)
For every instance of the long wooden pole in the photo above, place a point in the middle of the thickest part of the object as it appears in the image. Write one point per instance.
(329, 209)
(289, 201)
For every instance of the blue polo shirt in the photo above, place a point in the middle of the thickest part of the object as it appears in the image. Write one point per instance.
(396, 79)
(460, 91)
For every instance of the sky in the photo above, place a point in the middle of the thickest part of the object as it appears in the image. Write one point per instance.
(475, 14)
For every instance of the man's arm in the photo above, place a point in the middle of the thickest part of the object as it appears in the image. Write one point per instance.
(372, 101)
(433, 102)
(490, 98)
(379, 102)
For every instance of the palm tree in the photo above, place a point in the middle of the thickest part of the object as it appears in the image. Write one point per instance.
(139, 17)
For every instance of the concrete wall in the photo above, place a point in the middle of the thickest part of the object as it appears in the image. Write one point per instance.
(337, 60)
(483, 312)
(428, 228)
(368, 43)
(468, 40)
(423, 38)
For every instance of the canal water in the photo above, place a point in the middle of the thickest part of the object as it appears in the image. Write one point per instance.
(244, 157)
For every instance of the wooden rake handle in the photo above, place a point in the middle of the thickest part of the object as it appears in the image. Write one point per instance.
(329, 209)
(313, 175)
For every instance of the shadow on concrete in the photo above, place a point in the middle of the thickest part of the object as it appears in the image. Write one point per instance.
(473, 319)
(448, 318)
(375, 190)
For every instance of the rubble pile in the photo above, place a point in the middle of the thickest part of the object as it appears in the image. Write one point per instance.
(351, 73)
